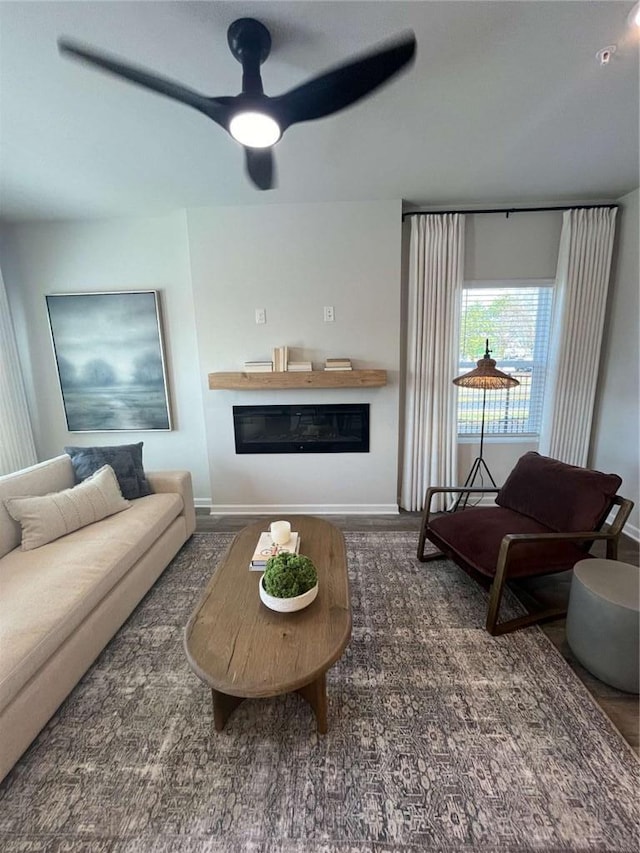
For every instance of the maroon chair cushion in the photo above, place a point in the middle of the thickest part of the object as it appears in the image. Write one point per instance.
(475, 535)
(563, 497)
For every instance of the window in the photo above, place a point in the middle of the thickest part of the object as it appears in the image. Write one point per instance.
(516, 317)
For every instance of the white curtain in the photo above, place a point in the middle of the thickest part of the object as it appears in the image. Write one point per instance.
(17, 449)
(430, 421)
(582, 280)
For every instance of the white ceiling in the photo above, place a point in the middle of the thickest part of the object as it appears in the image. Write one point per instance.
(505, 103)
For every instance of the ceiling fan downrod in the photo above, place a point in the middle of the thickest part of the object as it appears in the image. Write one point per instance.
(250, 43)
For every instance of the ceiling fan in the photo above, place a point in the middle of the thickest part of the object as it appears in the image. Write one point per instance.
(255, 120)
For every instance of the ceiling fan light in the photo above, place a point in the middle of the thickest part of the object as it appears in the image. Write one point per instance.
(255, 130)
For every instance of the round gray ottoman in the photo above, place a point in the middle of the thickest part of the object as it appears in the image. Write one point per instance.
(603, 621)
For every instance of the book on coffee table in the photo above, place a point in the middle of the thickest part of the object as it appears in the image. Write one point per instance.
(267, 548)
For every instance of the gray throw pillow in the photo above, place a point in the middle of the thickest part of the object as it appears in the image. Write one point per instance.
(125, 459)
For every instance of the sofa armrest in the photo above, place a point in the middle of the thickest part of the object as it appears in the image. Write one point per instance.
(178, 482)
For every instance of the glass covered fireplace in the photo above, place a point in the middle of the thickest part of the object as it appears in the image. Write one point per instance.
(342, 428)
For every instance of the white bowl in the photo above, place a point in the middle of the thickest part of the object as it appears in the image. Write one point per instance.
(287, 605)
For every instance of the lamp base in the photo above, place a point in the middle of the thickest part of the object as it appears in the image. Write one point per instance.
(476, 470)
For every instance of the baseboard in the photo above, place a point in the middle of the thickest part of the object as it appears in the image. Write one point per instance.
(202, 503)
(304, 509)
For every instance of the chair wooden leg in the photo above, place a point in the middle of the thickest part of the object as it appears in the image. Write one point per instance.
(422, 538)
(497, 588)
(529, 619)
(436, 555)
(424, 558)
(495, 598)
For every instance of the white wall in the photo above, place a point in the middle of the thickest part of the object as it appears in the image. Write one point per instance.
(615, 444)
(293, 260)
(136, 254)
(521, 245)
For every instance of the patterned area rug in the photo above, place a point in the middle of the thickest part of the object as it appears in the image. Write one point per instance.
(441, 738)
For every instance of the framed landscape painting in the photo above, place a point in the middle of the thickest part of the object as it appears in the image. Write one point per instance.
(110, 358)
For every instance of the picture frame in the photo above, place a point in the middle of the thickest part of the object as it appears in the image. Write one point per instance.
(110, 360)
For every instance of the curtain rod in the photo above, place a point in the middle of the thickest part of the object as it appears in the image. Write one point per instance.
(508, 210)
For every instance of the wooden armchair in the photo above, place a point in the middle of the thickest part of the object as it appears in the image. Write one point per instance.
(547, 517)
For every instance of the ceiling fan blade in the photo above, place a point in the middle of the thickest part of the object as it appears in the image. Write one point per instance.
(260, 167)
(343, 86)
(216, 109)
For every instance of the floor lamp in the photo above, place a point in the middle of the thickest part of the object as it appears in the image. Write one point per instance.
(487, 377)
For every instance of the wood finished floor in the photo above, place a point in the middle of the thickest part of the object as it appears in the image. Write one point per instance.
(621, 708)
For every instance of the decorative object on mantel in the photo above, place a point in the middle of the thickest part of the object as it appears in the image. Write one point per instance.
(311, 379)
(280, 359)
(338, 364)
(487, 377)
(258, 366)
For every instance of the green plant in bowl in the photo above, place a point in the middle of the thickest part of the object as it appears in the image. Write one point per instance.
(289, 575)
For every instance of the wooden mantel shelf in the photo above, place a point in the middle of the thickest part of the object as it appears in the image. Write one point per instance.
(310, 379)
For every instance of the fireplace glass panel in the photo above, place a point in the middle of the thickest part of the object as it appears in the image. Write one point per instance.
(342, 428)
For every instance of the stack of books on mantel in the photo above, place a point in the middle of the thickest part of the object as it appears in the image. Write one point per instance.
(337, 364)
(299, 366)
(280, 359)
(258, 367)
(266, 548)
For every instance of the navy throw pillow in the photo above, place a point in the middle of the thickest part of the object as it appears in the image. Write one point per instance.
(125, 459)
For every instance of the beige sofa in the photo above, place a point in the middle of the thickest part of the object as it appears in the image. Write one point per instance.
(61, 603)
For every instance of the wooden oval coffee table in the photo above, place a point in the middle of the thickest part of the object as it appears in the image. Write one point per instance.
(243, 650)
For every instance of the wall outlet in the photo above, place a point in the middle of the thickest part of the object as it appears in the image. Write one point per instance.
(261, 316)
(329, 316)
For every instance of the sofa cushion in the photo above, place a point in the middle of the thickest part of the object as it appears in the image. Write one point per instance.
(54, 475)
(46, 593)
(563, 497)
(48, 517)
(125, 459)
(475, 534)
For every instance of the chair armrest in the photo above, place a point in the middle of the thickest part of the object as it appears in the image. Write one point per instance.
(175, 482)
(512, 539)
(624, 508)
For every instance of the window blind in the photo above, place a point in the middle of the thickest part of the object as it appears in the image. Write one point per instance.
(516, 319)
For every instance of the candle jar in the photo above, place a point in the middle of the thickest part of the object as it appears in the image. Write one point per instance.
(280, 532)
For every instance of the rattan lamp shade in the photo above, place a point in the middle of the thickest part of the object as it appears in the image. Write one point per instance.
(486, 375)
